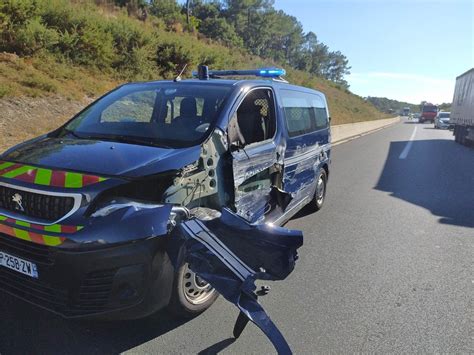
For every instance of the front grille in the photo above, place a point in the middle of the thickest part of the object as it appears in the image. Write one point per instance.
(94, 292)
(36, 205)
(37, 253)
(33, 290)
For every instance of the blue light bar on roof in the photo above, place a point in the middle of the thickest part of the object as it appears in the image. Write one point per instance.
(263, 72)
(271, 72)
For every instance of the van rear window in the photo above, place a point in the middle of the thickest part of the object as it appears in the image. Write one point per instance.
(304, 112)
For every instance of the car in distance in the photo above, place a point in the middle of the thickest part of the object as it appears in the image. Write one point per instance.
(416, 115)
(87, 211)
(428, 113)
(442, 120)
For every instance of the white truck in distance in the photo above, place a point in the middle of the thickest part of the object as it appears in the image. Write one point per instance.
(462, 112)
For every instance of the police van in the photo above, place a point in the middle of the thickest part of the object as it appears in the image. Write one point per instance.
(88, 212)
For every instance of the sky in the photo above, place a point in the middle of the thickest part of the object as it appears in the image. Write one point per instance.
(408, 50)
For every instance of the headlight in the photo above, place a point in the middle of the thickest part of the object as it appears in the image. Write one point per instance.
(117, 204)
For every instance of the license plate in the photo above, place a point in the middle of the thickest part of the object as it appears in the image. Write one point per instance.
(19, 265)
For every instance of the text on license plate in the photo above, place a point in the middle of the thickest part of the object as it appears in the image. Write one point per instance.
(18, 264)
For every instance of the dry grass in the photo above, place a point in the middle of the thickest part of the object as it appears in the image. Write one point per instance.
(24, 118)
(43, 77)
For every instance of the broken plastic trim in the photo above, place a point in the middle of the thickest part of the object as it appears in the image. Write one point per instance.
(232, 254)
(115, 206)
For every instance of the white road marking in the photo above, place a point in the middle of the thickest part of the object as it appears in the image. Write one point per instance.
(408, 146)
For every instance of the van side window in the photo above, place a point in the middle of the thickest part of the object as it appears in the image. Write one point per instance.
(304, 112)
(254, 120)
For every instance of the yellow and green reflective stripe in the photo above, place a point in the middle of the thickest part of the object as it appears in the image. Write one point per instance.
(73, 180)
(22, 234)
(22, 223)
(19, 171)
(55, 228)
(52, 241)
(43, 177)
(31, 236)
(5, 165)
(47, 177)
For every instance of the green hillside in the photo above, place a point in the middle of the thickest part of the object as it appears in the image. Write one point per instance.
(80, 49)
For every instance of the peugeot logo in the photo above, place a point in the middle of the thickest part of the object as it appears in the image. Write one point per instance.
(17, 198)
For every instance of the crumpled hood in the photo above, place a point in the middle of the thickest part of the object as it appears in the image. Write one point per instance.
(101, 157)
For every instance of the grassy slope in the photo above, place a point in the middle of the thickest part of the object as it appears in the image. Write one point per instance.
(39, 93)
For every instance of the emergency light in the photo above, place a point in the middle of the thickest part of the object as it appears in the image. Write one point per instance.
(263, 72)
(272, 72)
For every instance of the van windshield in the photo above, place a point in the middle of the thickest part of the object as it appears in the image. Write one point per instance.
(171, 115)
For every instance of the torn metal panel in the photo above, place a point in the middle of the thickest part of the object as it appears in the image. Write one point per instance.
(128, 222)
(202, 179)
(252, 172)
(231, 254)
(205, 214)
(302, 164)
(250, 161)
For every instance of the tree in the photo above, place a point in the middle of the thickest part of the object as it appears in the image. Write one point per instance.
(220, 30)
(165, 9)
(261, 29)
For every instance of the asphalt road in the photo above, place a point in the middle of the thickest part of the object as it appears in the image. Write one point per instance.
(387, 266)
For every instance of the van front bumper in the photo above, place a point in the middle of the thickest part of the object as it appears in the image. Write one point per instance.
(126, 281)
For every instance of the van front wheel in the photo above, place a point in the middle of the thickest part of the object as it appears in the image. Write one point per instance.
(191, 294)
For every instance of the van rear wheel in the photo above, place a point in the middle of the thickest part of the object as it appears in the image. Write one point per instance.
(320, 194)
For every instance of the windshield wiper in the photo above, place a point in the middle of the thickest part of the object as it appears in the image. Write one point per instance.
(72, 133)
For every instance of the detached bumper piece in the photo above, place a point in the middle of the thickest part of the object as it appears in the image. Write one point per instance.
(232, 254)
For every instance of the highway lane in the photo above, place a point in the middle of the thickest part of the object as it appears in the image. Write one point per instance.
(387, 265)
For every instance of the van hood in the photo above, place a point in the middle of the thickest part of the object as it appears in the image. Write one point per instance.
(102, 157)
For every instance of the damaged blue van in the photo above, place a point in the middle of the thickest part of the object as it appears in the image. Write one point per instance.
(88, 211)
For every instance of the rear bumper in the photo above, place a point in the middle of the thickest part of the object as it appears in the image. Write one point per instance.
(445, 125)
(125, 281)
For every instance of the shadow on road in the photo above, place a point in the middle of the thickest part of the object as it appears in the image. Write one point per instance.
(302, 213)
(218, 347)
(437, 175)
(25, 329)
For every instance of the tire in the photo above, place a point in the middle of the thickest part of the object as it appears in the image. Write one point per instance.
(320, 194)
(191, 295)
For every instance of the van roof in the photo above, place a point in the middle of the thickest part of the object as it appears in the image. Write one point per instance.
(236, 83)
